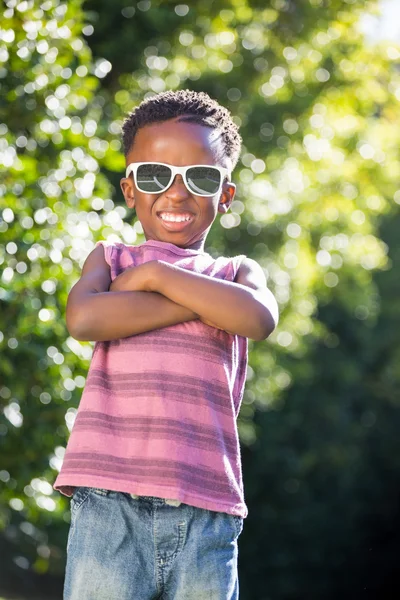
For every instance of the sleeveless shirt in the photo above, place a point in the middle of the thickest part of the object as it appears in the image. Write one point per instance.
(157, 416)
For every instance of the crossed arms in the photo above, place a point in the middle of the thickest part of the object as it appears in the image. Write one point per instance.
(157, 294)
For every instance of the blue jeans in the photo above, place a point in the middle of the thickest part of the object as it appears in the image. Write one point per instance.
(125, 548)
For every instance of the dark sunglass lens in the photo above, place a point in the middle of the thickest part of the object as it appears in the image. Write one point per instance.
(203, 180)
(153, 177)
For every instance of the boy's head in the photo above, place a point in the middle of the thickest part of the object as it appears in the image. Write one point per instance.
(188, 106)
(181, 129)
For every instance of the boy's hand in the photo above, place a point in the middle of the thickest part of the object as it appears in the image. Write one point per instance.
(136, 279)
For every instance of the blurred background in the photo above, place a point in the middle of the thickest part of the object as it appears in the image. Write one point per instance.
(315, 88)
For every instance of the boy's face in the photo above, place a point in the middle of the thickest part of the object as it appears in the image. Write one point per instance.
(178, 144)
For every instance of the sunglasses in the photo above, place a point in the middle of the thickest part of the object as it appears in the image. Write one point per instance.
(155, 178)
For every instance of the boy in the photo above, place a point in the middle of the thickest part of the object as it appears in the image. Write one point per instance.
(153, 460)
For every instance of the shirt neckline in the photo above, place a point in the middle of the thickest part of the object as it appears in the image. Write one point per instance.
(172, 247)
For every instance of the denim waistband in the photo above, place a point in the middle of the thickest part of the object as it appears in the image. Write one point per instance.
(156, 500)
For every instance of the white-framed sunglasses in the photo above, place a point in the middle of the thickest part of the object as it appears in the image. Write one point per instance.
(155, 177)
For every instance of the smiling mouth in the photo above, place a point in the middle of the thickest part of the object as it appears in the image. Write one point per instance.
(175, 221)
(173, 217)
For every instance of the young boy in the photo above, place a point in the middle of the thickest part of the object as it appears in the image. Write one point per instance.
(153, 460)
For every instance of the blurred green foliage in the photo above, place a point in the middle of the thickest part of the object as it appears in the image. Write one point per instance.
(317, 206)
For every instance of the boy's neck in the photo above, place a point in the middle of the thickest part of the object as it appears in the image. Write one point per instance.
(198, 245)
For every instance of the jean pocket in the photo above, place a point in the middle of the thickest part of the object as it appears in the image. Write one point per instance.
(79, 496)
(238, 522)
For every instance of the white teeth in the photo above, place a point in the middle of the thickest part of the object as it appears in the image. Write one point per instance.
(168, 217)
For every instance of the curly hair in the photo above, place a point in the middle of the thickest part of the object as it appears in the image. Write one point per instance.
(195, 107)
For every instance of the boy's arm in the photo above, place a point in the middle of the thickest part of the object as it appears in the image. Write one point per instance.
(95, 314)
(245, 307)
(114, 315)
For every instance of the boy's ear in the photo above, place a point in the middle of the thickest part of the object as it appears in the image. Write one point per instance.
(127, 190)
(227, 196)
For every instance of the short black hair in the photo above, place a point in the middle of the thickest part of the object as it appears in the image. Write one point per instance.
(195, 107)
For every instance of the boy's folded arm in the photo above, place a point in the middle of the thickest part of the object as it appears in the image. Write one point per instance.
(95, 314)
(105, 316)
(245, 307)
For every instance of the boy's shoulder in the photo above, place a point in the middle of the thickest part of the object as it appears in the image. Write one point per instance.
(251, 273)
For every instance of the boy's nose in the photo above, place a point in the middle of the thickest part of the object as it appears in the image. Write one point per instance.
(177, 188)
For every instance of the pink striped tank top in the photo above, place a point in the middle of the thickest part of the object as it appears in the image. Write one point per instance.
(157, 416)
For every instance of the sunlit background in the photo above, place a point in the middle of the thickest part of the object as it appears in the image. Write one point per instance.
(315, 88)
